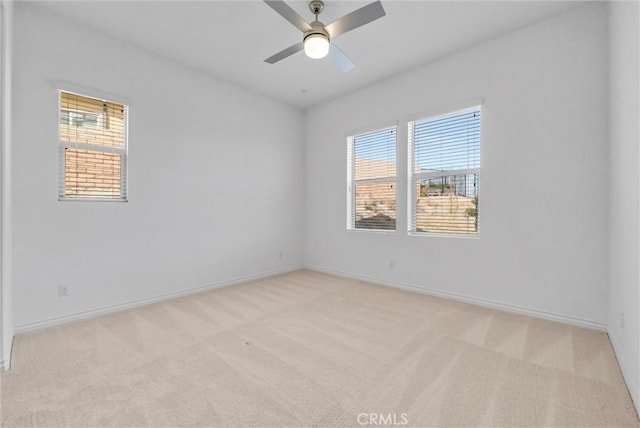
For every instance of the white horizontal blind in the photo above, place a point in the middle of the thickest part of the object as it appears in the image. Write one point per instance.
(371, 173)
(93, 148)
(444, 163)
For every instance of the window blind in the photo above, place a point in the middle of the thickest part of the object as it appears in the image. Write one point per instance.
(371, 165)
(93, 148)
(444, 161)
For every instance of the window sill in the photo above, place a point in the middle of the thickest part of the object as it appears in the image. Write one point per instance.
(375, 231)
(445, 235)
(92, 200)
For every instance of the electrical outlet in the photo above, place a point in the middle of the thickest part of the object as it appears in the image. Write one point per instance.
(63, 291)
(622, 320)
(392, 264)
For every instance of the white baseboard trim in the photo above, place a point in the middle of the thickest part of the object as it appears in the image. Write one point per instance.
(565, 319)
(630, 381)
(23, 328)
(5, 362)
(91, 313)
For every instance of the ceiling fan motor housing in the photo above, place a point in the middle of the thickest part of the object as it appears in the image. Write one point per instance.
(317, 27)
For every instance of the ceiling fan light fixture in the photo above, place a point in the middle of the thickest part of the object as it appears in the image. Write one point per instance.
(316, 45)
(317, 36)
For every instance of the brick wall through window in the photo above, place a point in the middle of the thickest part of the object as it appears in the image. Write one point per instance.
(93, 146)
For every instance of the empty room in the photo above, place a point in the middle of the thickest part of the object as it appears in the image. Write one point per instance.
(320, 213)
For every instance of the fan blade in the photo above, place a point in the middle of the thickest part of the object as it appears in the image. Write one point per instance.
(356, 19)
(341, 59)
(289, 14)
(285, 53)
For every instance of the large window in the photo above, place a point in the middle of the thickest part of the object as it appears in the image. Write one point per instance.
(93, 148)
(371, 180)
(444, 171)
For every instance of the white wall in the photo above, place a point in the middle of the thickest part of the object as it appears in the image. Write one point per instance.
(624, 187)
(215, 178)
(6, 309)
(543, 186)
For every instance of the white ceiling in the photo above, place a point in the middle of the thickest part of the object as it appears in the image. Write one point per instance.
(231, 39)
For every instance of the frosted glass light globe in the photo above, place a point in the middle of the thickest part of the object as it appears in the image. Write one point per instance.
(316, 46)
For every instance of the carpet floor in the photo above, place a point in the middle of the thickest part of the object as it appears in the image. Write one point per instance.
(309, 349)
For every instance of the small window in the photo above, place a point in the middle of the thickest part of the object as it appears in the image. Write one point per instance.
(371, 180)
(93, 149)
(444, 172)
(81, 118)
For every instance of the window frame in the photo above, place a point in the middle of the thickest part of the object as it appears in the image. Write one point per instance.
(352, 182)
(123, 151)
(413, 177)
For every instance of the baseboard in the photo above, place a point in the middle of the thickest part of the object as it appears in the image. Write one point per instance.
(7, 348)
(630, 381)
(565, 319)
(50, 322)
(5, 363)
(23, 328)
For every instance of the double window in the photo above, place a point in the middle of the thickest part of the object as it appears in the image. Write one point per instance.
(93, 148)
(443, 174)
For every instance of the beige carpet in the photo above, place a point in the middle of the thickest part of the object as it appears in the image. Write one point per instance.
(308, 349)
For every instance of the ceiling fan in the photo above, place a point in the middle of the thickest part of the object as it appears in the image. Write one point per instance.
(317, 36)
